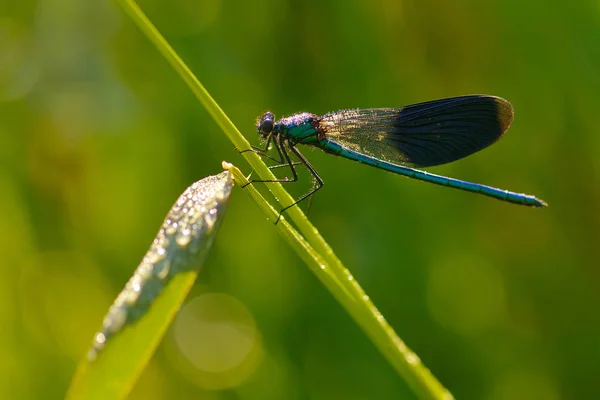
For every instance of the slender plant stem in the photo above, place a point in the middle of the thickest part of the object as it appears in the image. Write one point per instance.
(310, 245)
(348, 292)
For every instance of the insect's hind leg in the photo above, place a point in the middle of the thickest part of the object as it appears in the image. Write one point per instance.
(319, 182)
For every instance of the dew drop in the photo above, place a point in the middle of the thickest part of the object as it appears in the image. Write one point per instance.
(183, 240)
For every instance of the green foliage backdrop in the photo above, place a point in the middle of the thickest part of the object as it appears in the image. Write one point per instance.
(98, 137)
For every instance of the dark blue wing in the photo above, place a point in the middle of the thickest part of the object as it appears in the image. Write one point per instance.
(424, 134)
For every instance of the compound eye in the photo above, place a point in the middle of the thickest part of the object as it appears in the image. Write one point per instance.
(265, 125)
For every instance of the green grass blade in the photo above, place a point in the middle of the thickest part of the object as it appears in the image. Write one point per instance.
(340, 282)
(140, 315)
(351, 295)
(146, 26)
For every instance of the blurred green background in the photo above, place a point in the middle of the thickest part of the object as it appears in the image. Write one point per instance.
(98, 137)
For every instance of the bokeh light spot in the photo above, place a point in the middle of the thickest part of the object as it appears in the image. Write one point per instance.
(216, 344)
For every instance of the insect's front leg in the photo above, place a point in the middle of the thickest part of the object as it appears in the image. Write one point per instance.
(284, 161)
(264, 152)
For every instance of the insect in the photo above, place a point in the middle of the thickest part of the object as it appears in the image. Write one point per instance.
(397, 140)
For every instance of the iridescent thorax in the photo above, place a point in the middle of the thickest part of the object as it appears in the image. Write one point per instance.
(301, 128)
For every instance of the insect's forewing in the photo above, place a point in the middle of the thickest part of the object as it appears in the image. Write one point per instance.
(424, 134)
